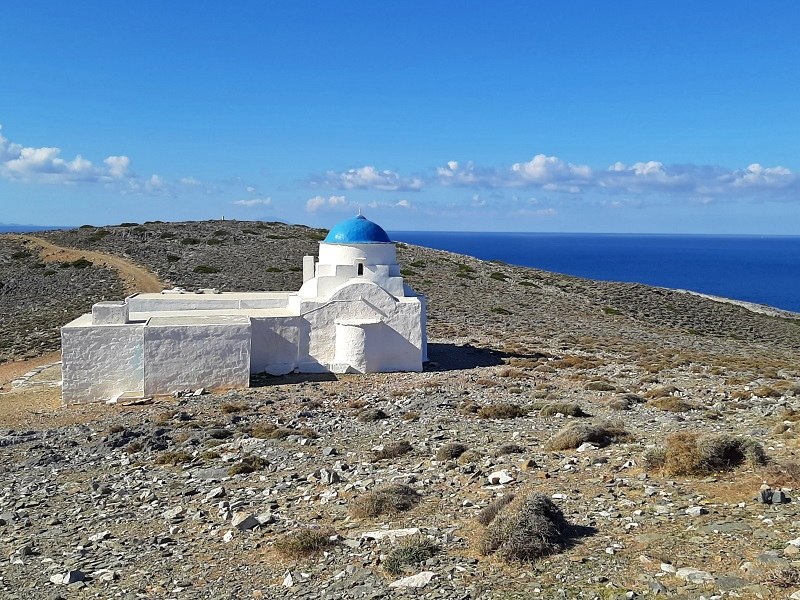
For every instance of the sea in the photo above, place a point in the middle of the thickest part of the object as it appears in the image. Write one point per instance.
(759, 269)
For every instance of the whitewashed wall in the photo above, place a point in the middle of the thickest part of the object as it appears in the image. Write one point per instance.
(398, 345)
(275, 344)
(209, 354)
(101, 362)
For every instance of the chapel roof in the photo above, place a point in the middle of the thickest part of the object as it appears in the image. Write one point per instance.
(357, 230)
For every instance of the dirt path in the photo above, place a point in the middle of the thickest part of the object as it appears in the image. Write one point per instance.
(134, 277)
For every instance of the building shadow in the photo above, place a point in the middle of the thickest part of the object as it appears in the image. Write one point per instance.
(441, 357)
(265, 380)
(453, 357)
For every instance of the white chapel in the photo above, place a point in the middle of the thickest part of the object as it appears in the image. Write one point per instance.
(353, 314)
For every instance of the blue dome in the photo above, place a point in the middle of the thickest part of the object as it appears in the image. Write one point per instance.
(358, 230)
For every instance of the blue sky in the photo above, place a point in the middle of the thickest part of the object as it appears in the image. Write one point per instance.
(681, 117)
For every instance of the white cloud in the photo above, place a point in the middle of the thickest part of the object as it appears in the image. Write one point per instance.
(118, 166)
(249, 189)
(770, 177)
(695, 182)
(369, 178)
(317, 202)
(45, 165)
(250, 202)
(190, 181)
(403, 203)
(548, 169)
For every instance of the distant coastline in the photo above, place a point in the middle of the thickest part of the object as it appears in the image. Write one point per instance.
(756, 269)
(16, 228)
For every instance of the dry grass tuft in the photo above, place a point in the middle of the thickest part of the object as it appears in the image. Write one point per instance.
(411, 415)
(164, 417)
(509, 449)
(789, 414)
(308, 432)
(666, 390)
(487, 514)
(780, 474)
(576, 362)
(411, 550)
(624, 402)
(695, 454)
(502, 410)
(281, 433)
(392, 450)
(600, 385)
(783, 577)
(575, 434)
(528, 528)
(304, 542)
(470, 456)
(173, 458)
(262, 430)
(232, 407)
(569, 409)
(450, 451)
(391, 498)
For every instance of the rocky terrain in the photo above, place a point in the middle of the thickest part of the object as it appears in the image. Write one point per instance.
(280, 490)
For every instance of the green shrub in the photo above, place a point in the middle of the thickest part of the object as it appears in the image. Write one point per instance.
(498, 275)
(410, 550)
(205, 269)
(80, 263)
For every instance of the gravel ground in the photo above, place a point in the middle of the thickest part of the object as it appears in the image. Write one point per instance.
(150, 501)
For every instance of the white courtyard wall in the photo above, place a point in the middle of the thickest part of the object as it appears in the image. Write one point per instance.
(192, 356)
(275, 344)
(101, 361)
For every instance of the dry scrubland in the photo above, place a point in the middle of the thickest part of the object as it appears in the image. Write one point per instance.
(571, 439)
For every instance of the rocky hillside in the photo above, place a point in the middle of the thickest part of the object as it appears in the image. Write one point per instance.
(649, 439)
